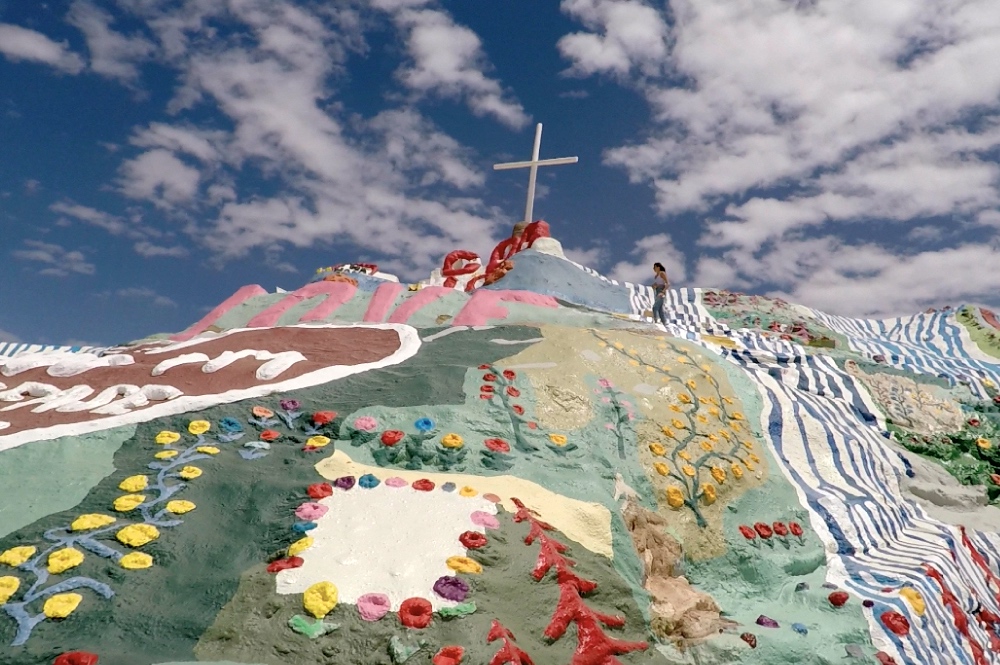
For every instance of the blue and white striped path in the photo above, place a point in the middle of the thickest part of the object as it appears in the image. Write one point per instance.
(10, 349)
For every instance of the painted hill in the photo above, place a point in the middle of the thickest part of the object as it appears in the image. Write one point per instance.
(364, 471)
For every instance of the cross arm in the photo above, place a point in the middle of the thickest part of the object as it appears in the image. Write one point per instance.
(541, 162)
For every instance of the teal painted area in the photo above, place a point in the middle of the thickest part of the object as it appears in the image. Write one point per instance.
(522, 313)
(300, 309)
(206, 662)
(46, 477)
(240, 315)
(353, 310)
(448, 305)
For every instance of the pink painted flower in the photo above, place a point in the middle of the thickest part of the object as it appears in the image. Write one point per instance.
(604, 383)
(485, 520)
(310, 512)
(365, 424)
(373, 606)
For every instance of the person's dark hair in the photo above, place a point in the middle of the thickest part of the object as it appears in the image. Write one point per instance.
(658, 266)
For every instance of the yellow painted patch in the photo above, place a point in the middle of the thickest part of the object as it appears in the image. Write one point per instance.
(136, 561)
(300, 545)
(137, 535)
(688, 470)
(657, 449)
(166, 454)
(661, 468)
(720, 341)
(134, 484)
(915, 599)
(675, 498)
(208, 450)
(123, 504)
(452, 440)
(165, 438)
(736, 471)
(91, 521)
(320, 599)
(179, 507)
(317, 441)
(62, 560)
(719, 474)
(189, 472)
(463, 564)
(684, 455)
(197, 427)
(708, 495)
(61, 605)
(8, 587)
(15, 556)
(558, 439)
(468, 492)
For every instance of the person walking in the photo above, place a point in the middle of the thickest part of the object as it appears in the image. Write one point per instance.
(660, 285)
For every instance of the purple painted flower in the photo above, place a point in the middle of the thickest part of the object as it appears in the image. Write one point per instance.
(604, 383)
(451, 588)
(344, 483)
(290, 404)
(366, 424)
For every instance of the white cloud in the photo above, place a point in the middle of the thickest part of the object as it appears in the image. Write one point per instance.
(591, 257)
(160, 177)
(110, 223)
(19, 43)
(627, 35)
(151, 250)
(140, 293)
(448, 60)
(111, 54)
(58, 261)
(647, 251)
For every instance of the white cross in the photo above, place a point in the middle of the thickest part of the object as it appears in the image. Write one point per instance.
(533, 165)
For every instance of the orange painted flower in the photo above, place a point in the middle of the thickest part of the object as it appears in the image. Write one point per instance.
(269, 435)
(262, 412)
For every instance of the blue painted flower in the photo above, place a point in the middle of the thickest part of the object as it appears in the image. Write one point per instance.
(368, 481)
(230, 425)
(424, 424)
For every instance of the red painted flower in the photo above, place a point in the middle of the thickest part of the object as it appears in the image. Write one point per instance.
(838, 598)
(995, 478)
(450, 655)
(472, 540)
(513, 392)
(780, 529)
(763, 530)
(422, 485)
(497, 445)
(484, 366)
(896, 622)
(391, 437)
(518, 409)
(76, 658)
(885, 659)
(279, 565)
(795, 528)
(532, 425)
(974, 422)
(996, 400)
(415, 613)
(270, 435)
(486, 388)
(310, 449)
(319, 490)
(489, 376)
(323, 417)
(747, 532)
(485, 395)
(509, 374)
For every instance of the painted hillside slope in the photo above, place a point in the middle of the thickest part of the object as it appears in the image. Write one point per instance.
(363, 471)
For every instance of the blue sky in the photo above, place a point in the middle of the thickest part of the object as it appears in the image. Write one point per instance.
(159, 154)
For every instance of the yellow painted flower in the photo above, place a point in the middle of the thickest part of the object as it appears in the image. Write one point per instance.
(684, 397)
(755, 459)
(602, 344)
(713, 437)
(633, 362)
(166, 454)
(463, 564)
(557, 439)
(633, 351)
(706, 368)
(91, 521)
(136, 561)
(123, 504)
(702, 419)
(61, 605)
(300, 545)
(320, 599)
(727, 400)
(189, 472)
(915, 599)
(679, 424)
(657, 449)
(736, 427)
(197, 427)
(714, 411)
(8, 587)
(62, 560)
(134, 484)
(665, 368)
(684, 455)
(137, 535)
(705, 400)
(208, 450)
(692, 384)
(452, 440)
(983, 443)
(166, 437)
(736, 471)
(706, 446)
(179, 507)
(736, 415)
(747, 444)
(708, 494)
(676, 409)
(15, 556)
(675, 498)
(317, 441)
(682, 360)
(661, 468)
(468, 492)
(619, 346)
(667, 432)
(748, 464)
(719, 474)
(724, 434)
(688, 470)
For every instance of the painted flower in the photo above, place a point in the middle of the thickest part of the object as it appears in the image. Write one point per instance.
(667, 432)
(692, 385)
(262, 412)
(452, 440)
(974, 422)
(391, 437)
(489, 376)
(706, 446)
(415, 613)
(197, 427)
(604, 383)
(795, 528)
(983, 443)
(230, 425)
(449, 655)
(208, 450)
(137, 535)
(748, 532)
(673, 407)
(486, 388)
(290, 404)
(317, 441)
(755, 459)
(684, 455)
(727, 400)
(373, 606)
(450, 587)
(365, 424)
(684, 397)
(736, 416)
(702, 419)
(748, 464)
(497, 445)
(736, 427)
(166, 454)
(736, 471)
(472, 540)
(270, 435)
(657, 449)
(780, 529)
(675, 498)
(724, 434)
(558, 439)
(714, 411)
(719, 474)
(509, 374)
(513, 392)
(688, 470)
(165, 438)
(708, 494)
(423, 485)
(763, 530)
(484, 366)
(678, 424)
(62, 560)
(518, 409)
(424, 424)
(189, 472)
(661, 468)
(321, 418)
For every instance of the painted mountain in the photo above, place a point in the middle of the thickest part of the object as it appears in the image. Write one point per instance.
(364, 471)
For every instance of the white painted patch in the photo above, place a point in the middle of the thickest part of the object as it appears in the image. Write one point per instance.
(592, 356)
(444, 333)
(518, 341)
(386, 540)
